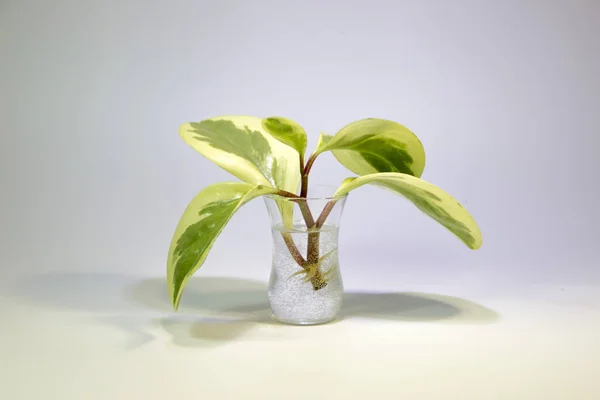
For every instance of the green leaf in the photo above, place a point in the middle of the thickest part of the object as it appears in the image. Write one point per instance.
(430, 199)
(324, 139)
(374, 145)
(200, 225)
(287, 131)
(241, 146)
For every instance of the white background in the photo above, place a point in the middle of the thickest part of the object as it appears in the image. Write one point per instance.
(93, 176)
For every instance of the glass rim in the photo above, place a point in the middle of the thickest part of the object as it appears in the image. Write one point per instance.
(300, 198)
(297, 198)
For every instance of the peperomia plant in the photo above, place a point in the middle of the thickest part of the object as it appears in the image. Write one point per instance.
(269, 156)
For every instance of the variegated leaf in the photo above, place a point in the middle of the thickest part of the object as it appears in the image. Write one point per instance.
(430, 199)
(287, 131)
(241, 146)
(200, 225)
(376, 145)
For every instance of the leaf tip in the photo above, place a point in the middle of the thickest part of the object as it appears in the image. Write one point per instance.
(175, 301)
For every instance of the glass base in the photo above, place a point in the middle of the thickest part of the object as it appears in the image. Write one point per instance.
(304, 322)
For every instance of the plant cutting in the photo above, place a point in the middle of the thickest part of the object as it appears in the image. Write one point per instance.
(268, 156)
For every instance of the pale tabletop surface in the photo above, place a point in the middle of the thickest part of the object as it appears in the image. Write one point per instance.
(108, 336)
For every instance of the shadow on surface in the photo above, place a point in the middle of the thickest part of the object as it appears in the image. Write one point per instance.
(416, 307)
(214, 295)
(242, 298)
(209, 332)
(96, 293)
(212, 309)
(218, 309)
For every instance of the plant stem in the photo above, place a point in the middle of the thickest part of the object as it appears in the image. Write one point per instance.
(312, 259)
(317, 280)
(312, 256)
(312, 251)
(309, 163)
(289, 242)
(304, 190)
(306, 213)
(285, 193)
(325, 213)
(305, 171)
(301, 159)
(313, 247)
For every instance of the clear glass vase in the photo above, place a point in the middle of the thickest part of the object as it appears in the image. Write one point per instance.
(305, 285)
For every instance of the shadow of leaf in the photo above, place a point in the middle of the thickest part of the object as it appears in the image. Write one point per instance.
(205, 332)
(135, 328)
(203, 295)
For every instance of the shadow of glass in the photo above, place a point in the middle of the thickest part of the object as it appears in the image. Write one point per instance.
(416, 307)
